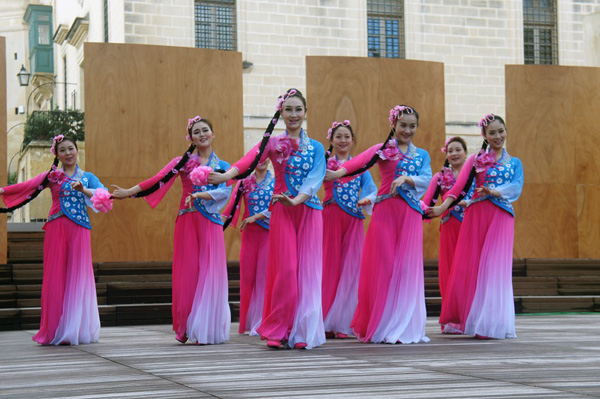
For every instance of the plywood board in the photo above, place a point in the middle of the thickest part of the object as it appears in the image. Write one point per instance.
(3, 171)
(138, 100)
(363, 90)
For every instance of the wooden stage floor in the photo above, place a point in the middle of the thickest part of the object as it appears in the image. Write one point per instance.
(555, 356)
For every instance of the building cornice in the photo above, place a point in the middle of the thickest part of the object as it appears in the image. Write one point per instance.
(78, 31)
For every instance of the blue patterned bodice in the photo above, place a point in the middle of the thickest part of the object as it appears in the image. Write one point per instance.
(72, 202)
(410, 165)
(258, 199)
(298, 166)
(214, 163)
(501, 172)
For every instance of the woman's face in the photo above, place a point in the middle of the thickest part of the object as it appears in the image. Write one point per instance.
(67, 153)
(202, 135)
(495, 134)
(263, 165)
(293, 113)
(342, 140)
(456, 154)
(406, 128)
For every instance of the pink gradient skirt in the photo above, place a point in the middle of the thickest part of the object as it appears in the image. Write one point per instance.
(391, 291)
(343, 239)
(69, 304)
(479, 298)
(200, 292)
(292, 310)
(448, 238)
(254, 255)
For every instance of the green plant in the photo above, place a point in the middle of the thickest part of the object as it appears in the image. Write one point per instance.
(44, 125)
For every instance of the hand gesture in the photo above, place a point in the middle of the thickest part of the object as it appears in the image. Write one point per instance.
(397, 183)
(364, 202)
(284, 199)
(246, 222)
(78, 185)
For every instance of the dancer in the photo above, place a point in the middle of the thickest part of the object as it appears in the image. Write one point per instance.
(256, 190)
(456, 155)
(391, 295)
(343, 234)
(200, 299)
(479, 293)
(69, 304)
(292, 314)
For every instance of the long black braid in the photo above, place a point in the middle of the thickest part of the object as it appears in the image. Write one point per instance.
(263, 145)
(186, 156)
(375, 157)
(37, 191)
(236, 203)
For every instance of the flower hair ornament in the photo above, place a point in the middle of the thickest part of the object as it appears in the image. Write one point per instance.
(335, 125)
(282, 98)
(191, 122)
(398, 112)
(486, 120)
(445, 148)
(55, 141)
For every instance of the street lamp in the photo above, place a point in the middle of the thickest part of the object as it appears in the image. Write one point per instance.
(23, 76)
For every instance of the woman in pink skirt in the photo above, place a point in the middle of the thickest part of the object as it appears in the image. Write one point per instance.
(256, 190)
(69, 304)
(292, 314)
(456, 155)
(200, 294)
(391, 294)
(479, 295)
(343, 234)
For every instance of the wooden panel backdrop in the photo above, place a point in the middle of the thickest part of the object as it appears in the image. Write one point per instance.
(552, 127)
(363, 90)
(3, 155)
(138, 99)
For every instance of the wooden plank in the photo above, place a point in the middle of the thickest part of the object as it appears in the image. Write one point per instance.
(138, 100)
(3, 160)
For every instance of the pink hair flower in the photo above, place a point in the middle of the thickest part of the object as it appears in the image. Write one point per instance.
(199, 176)
(446, 144)
(447, 179)
(486, 120)
(284, 148)
(193, 120)
(333, 163)
(335, 125)
(56, 140)
(102, 200)
(398, 112)
(284, 97)
(483, 160)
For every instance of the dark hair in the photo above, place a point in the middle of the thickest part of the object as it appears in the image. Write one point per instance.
(328, 152)
(67, 138)
(390, 136)
(267, 135)
(457, 139)
(486, 120)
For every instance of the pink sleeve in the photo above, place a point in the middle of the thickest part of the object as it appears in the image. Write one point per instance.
(461, 181)
(433, 184)
(243, 164)
(229, 208)
(17, 193)
(358, 162)
(157, 196)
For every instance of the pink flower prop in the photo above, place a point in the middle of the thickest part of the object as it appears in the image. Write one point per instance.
(336, 124)
(333, 163)
(199, 176)
(486, 120)
(57, 176)
(447, 179)
(284, 97)
(191, 164)
(193, 120)
(483, 160)
(284, 148)
(102, 200)
(56, 140)
(398, 113)
(249, 184)
(390, 152)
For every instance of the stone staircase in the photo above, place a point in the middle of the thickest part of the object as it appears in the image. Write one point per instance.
(135, 293)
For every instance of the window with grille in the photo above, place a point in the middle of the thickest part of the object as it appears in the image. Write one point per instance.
(385, 28)
(215, 22)
(540, 37)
